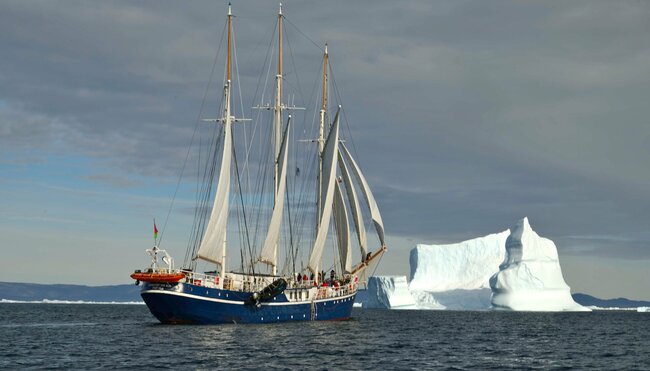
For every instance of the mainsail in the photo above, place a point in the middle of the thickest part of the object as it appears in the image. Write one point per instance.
(342, 229)
(213, 244)
(370, 199)
(269, 251)
(329, 178)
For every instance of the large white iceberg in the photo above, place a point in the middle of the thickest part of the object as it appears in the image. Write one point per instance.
(388, 292)
(512, 271)
(530, 278)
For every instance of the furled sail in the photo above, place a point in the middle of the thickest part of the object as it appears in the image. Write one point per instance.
(370, 199)
(268, 254)
(213, 243)
(354, 206)
(329, 178)
(342, 229)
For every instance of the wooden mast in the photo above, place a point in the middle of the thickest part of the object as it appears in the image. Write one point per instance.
(321, 134)
(227, 122)
(321, 145)
(277, 123)
(229, 40)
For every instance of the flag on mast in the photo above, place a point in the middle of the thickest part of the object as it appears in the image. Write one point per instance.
(155, 230)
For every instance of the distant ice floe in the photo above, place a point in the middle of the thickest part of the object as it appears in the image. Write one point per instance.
(47, 301)
(594, 307)
(512, 270)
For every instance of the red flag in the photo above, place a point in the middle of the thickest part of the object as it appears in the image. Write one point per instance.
(155, 231)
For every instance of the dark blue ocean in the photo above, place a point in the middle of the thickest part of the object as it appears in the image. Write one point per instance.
(86, 336)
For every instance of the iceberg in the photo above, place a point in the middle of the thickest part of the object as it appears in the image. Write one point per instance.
(456, 276)
(467, 265)
(512, 270)
(530, 277)
(388, 292)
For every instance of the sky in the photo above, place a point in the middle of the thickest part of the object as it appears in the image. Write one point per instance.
(466, 116)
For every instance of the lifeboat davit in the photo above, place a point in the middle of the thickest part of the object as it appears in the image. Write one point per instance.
(156, 277)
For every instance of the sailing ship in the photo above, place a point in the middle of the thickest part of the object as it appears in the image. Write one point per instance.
(260, 290)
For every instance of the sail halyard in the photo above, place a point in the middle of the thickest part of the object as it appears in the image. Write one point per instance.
(268, 254)
(355, 207)
(329, 178)
(213, 244)
(370, 199)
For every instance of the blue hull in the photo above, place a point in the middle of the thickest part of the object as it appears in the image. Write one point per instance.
(185, 303)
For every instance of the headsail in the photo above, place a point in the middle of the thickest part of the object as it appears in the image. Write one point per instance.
(329, 178)
(342, 229)
(354, 206)
(370, 199)
(269, 251)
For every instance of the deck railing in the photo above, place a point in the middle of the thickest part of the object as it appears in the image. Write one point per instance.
(230, 282)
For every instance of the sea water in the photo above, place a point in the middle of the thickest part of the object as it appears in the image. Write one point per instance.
(88, 336)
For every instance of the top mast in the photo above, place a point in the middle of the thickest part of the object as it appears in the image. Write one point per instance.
(277, 122)
(229, 41)
(321, 135)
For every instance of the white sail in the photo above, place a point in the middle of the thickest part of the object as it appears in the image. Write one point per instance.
(354, 206)
(370, 199)
(213, 243)
(342, 229)
(268, 254)
(329, 178)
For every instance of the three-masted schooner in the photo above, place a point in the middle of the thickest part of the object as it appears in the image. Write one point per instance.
(221, 296)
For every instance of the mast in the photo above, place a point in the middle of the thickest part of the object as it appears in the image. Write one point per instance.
(321, 134)
(277, 124)
(321, 143)
(228, 124)
(213, 243)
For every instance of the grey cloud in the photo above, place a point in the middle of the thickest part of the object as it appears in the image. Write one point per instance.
(466, 115)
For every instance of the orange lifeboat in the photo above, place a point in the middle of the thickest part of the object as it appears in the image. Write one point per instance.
(156, 277)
